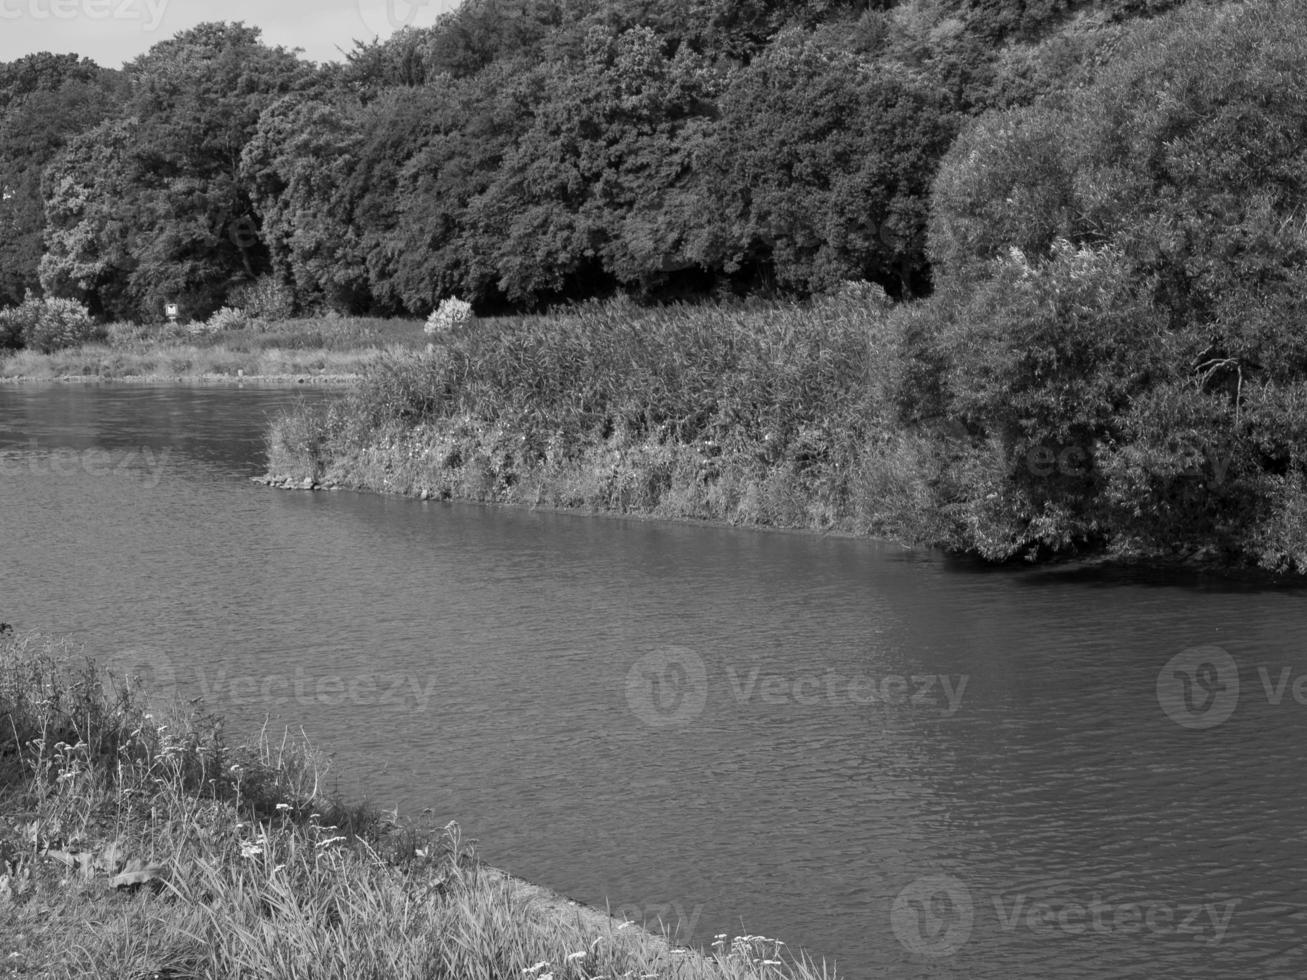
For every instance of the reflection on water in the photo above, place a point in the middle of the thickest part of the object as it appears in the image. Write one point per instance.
(915, 766)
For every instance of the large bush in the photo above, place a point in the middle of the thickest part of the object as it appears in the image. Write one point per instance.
(1140, 381)
(47, 325)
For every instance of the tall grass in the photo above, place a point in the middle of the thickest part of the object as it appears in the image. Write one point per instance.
(140, 845)
(775, 415)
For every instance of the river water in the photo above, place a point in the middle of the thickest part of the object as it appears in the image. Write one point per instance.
(910, 765)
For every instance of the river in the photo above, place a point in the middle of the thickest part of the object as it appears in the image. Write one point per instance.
(909, 764)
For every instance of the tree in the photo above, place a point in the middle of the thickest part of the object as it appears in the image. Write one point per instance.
(581, 199)
(821, 165)
(45, 100)
(195, 101)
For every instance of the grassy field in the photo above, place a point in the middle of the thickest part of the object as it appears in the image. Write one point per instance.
(317, 348)
(146, 845)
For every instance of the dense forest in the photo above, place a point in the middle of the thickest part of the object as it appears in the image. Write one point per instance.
(520, 152)
(1093, 217)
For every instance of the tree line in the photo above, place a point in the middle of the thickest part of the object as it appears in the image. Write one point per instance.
(519, 153)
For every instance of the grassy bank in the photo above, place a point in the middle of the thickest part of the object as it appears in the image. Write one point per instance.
(140, 845)
(775, 416)
(323, 348)
(842, 414)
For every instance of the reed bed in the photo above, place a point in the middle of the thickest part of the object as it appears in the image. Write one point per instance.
(779, 414)
(139, 844)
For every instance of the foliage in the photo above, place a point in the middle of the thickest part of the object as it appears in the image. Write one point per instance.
(47, 325)
(229, 318)
(1157, 340)
(45, 100)
(152, 207)
(163, 849)
(821, 164)
(266, 298)
(452, 314)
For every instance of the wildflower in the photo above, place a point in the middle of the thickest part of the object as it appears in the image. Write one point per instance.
(578, 955)
(328, 842)
(539, 966)
(250, 850)
(283, 806)
(451, 313)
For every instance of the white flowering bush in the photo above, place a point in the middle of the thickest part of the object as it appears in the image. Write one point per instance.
(451, 314)
(266, 298)
(227, 318)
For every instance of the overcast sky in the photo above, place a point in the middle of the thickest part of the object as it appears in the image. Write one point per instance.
(113, 31)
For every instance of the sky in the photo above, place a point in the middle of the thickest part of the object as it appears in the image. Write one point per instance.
(111, 32)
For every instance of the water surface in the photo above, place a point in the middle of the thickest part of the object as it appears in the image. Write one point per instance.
(909, 764)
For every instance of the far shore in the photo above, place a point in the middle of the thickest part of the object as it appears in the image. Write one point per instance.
(208, 378)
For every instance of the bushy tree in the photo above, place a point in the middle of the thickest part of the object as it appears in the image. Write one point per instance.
(171, 171)
(45, 99)
(585, 191)
(821, 165)
(1181, 175)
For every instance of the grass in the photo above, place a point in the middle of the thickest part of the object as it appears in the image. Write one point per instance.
(324, 347)
(776, 415)
(139, 845)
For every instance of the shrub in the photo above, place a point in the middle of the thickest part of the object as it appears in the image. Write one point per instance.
(11, 329)
(225, 319)
(452, 314)
(266, 298)
(47, 325)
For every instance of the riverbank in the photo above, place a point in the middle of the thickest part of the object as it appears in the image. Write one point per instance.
(135, 843)
(813, 416)
(238, 379)
(311, 350)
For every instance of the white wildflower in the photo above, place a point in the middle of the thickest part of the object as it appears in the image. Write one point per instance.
(449, 315)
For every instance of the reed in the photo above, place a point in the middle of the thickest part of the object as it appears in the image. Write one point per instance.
(778, 414)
